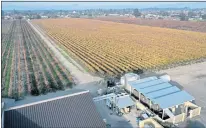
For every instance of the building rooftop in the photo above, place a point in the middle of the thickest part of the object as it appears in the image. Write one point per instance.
(138, 86)
(9, 103)
(124, 101)
(161, 92)
(72, 110)
(173, 99)
(143, 80)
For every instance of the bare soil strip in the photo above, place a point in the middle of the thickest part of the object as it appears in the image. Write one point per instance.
(81, 77)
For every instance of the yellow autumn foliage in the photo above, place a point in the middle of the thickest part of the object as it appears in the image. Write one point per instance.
(113, 48)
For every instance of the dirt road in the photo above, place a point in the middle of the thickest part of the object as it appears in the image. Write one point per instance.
(81, 77)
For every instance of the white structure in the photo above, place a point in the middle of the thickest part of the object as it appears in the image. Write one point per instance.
(118, 102)
(129, 77)
(122, 102)
(104, 97)
(166, 78)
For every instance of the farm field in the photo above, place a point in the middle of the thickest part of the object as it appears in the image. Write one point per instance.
(28, 66)
(108, 48)
(182, 25)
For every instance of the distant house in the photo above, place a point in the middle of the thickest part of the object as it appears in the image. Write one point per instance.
(8, 17)
(70, 110)
(44, 17)
(114, 15)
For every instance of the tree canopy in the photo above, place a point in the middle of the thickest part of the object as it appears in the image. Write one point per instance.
(191, 14)
(136, 13)
(183, 17)
(204, 16)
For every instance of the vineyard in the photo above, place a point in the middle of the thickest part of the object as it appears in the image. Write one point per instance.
(110, 48)
(182, 25)
(28, 66)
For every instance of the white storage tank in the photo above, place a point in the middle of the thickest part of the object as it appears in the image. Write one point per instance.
(129, 77)
(166, 78)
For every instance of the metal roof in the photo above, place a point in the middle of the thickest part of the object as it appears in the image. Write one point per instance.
(10, 103)
(124, 101)
(73, 111)
(173, 99)
(154, 88)
(162, 93)
(142, 80)
(139, 86)
(159, 93)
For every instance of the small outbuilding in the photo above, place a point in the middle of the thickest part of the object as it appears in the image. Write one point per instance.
(122, 103)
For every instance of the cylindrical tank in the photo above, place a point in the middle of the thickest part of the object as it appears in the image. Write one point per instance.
(166, 78)
(105, 120)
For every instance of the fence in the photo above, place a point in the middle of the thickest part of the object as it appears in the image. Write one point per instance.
(176, 119)
(195, 112)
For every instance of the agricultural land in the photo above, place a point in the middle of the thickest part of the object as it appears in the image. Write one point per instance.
(28, 65)
(182, 25)
(109, 48)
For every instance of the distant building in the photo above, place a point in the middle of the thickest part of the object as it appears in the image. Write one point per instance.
(44, 17)
(8, 17)
(114, 15)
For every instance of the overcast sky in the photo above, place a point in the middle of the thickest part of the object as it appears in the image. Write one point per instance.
(93, 5)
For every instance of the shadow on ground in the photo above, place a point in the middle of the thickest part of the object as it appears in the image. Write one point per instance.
(176, 84)
(194, 124)
(201, 76)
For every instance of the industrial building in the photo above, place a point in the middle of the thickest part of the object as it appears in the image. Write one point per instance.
(166, 101)
(157, 101)
(72, 109)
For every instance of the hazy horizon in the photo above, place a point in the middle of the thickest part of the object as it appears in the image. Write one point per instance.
(96, 5)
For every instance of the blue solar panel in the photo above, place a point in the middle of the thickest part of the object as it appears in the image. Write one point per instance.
(162, 92)
(173, 99)
(155, 88)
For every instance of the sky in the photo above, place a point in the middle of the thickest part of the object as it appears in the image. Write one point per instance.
(95, 5)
